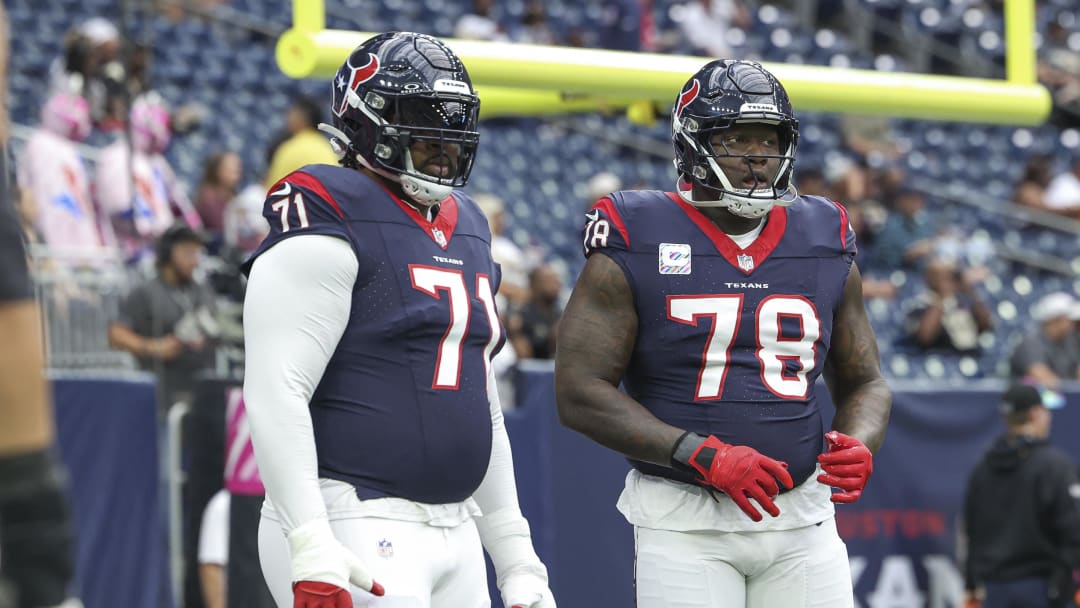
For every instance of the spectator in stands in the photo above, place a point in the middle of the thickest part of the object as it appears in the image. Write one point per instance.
(1022, 512)
(705, 24)
(948, 315)
(870, 137)
(906, 238)
(141, 215)
(245, 227)
(479, 24)
(534, 28)
(219, 185)
(1050, 353)
(303, 144)
(55, 190)
(849, 176)
(531, 329)
(1031, 190)
(599, 186)
(872, 286)
(1059, 70)
(90, 66)
(1063, 193)
(624, 25)
(514, 289)
(214, 549)
(811, 181)
(168, 322)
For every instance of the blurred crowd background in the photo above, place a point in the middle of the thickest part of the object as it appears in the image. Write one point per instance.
(165, 113)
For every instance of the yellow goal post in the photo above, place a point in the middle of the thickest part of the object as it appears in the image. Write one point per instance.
(529, 80)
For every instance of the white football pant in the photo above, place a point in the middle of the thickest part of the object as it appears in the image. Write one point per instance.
(419, 565)
(799, 568)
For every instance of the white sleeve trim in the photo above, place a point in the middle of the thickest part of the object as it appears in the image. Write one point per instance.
(298, 300)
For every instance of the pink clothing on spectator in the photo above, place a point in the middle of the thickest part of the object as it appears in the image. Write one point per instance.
(138, 220)
(51, 169)
(67, 115)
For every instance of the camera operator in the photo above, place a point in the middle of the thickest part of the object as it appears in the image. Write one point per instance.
(169, 322)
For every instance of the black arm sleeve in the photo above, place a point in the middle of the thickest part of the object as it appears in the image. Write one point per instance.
(35, 529)
(14, 276)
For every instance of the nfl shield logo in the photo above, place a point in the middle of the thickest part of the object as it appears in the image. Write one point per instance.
(746, 262)
(386, 549)
(440, 238)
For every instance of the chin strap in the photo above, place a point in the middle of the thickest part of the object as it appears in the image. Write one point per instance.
(687, 195)
(423, 192)
(741, 206)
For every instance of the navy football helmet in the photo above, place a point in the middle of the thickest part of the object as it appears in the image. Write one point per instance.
(719, 96)
(397, 89)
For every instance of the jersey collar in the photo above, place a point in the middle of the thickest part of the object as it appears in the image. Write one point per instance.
(441, 230)
(746, 260)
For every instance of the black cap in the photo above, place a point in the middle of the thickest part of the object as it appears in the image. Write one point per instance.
(1020, 398)
(177, 233)
(182, 233)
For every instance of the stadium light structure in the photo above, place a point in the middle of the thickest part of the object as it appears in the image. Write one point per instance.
(530, 80)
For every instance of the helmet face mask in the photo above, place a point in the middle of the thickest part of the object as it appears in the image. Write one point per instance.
(735, 138)
(429, 132)
(727, 161)
(404, 108)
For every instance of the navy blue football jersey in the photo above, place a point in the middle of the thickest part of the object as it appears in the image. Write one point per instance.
(730, 341)
(402, 408)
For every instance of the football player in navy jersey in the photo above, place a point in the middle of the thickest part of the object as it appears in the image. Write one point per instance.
(370, 325)
(717, 307)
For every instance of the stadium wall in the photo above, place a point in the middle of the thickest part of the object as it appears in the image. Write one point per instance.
(901, 535)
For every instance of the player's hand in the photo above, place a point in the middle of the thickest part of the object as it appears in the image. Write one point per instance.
(847, 465)
(526, 591)
(520, 575)
(742, 473)
(322, 568)
(972, 600)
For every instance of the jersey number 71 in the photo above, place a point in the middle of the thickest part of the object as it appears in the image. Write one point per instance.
(434, 282)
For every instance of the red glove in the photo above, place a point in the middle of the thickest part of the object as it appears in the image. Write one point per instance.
(322, 568)
(742, 473)
(313, 594)
(847, 465)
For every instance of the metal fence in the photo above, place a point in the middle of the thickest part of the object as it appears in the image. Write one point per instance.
(80, 293)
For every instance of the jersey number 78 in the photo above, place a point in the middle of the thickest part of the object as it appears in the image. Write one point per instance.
(774, 349)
